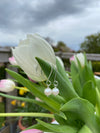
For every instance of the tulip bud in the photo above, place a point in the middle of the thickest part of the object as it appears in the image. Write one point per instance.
(32, 131)
(6, 85)
(12, 61)
(80, 57)
(72, 58)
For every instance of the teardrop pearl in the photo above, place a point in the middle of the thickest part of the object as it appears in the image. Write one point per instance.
(47, 91)
(55, 91)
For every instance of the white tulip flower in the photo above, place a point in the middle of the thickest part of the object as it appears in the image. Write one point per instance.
(80, 57)
(25, 53)
(6, 85)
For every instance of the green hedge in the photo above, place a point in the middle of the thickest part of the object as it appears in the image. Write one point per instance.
(96, 66)
(2, 72)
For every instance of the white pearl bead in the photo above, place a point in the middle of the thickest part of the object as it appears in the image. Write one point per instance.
(55, 91)
(47, 91)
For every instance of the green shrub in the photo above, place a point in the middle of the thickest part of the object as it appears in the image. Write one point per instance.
(96, 66)
(2, 72)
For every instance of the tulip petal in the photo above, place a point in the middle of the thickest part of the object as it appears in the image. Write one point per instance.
(25, 53)
(32, 131)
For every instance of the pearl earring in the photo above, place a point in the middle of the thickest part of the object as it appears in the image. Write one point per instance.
(48, 90)
(55, 90)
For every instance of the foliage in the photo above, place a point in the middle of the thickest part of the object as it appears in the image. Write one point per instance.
(96, 66)
(61, 46)
(30, 107)
(2, 119)
(76, 108)
(2, 75)
(91, 44)
(2, 72)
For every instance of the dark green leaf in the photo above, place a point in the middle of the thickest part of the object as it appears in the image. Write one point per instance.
(66, 91)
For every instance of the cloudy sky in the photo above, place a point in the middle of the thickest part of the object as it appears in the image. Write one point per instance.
(66, 20)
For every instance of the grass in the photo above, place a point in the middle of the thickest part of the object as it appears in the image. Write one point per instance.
(2, 119)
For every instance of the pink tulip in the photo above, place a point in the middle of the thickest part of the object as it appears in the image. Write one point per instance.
(6, 85)
(12, 61)
(72, 58)
(32, 131)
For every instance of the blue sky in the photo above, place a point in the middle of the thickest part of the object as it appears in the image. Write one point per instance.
(62, 20)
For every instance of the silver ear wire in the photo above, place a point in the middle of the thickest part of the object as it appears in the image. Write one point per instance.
(48, 90)
(48, 83)
(55, 83)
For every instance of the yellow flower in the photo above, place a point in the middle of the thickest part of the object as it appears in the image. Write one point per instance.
(23, 104)
(3, 124)
(22, 90)
(13, 102)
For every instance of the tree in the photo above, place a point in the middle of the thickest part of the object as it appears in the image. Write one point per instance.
(91, 44)
(49, 40)
(61, 46)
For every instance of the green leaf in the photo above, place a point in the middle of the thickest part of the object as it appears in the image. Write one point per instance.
(88, 75)
(60, 119)
(84, 129)
(51, 103)
(76, 79)
(89, 92)
(62, 115)
(58, 128)
(63, 73)
(98, 84)
(58, 98)
(97, 102)
(66, 91)
(40, 127)
(84, 74)
(84, 110)
(42, 104)
(77, 85)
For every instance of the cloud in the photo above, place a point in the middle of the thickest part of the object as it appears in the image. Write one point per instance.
(66, 20)
(27, 15)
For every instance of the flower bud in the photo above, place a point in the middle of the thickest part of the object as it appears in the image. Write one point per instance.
(12, 61)
(80, 57)
(7, 85)
(32, 131)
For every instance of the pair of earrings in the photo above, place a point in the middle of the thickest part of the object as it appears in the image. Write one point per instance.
(48, 91)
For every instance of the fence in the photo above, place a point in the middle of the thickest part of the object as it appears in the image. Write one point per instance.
(5, 53)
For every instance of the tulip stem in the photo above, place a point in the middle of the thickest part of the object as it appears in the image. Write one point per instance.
(22, 88)
(26, 114)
